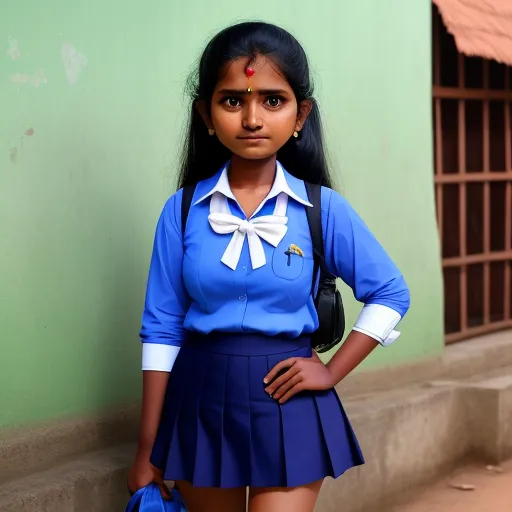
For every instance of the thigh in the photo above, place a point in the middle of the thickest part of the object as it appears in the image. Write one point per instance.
(278, 499)
(212, 499)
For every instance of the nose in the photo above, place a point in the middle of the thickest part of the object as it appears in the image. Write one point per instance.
(252, 118)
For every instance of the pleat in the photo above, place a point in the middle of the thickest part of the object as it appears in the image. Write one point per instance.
(208, 456)
(342, 446)
(170, 411)
(267, 461)
(220, 428)
(235, 468)
(182, 449)
(174, 467)
(305, 456)
(355, 448)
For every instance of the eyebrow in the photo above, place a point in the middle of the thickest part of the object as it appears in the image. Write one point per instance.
(241, 92)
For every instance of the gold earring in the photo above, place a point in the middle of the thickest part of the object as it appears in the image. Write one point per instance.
(211, 132)
(296, 134)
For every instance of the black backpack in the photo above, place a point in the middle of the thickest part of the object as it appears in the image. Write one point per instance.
(328, 302)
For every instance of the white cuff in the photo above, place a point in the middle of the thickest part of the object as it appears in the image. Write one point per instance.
(159, 357)
(379, 322)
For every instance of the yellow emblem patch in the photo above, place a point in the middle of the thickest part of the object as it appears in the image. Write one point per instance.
(295, 249)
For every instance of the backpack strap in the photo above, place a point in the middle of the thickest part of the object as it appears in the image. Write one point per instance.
(186, 201)
(314, 216)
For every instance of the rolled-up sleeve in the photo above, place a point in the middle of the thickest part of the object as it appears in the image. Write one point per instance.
(354, 254)
(166, 299)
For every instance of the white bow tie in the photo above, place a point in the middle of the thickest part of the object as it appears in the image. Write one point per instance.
(271, 228)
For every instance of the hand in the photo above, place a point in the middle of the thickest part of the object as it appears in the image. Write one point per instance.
(300, 373)
(142, 473)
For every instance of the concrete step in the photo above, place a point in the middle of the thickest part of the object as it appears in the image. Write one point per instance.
(93, 482)
(488, 403)
(32, 449)
(412, 436)
(409, 436)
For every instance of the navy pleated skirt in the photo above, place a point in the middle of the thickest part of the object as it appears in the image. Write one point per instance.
(219, 427)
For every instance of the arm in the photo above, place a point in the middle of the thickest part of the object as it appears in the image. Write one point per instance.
(142, 471)
(354, 255)
(161, 333)
(154, 385)
(354, 350)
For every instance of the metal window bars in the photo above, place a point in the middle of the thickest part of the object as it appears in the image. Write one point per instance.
(472, 114)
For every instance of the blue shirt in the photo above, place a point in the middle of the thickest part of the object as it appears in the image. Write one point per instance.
(190, 288)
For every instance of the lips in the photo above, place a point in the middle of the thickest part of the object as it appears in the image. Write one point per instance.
(254, 137)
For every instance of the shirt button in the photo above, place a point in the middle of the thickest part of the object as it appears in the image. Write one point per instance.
(244, 268)
(242, 297)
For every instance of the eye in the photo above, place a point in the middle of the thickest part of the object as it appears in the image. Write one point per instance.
(232, 102)
(274, 101)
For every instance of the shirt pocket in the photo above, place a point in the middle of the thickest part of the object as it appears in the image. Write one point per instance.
(287, 265)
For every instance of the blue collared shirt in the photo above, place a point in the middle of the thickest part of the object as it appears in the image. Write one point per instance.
(194, 286)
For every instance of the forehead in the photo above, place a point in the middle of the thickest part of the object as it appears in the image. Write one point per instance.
(266, 74)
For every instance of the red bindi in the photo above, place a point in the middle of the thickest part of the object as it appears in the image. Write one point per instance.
(249, 72)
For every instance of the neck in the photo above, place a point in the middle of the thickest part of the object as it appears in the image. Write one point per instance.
(252, 173)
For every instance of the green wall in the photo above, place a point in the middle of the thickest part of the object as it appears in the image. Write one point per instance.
(88, 157)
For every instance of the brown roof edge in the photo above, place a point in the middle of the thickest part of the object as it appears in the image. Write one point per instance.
(481, 28)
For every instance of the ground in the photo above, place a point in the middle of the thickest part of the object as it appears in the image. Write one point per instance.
(492, 493)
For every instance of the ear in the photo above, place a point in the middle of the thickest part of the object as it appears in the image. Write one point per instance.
(305, 108)
(202, 108)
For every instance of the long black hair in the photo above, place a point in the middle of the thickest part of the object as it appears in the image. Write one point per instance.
(203, 155)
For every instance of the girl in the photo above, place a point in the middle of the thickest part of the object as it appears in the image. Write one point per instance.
(234, 397)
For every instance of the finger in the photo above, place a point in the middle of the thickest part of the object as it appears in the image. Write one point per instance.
(164, 490)
(158, 478)
(277, 368)
(296, 389)
(287, 386)
(282, 379)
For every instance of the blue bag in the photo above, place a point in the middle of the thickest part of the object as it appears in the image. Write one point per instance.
(149, 499)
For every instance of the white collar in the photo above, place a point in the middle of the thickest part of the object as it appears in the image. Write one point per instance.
(280, 186)
(272, 228)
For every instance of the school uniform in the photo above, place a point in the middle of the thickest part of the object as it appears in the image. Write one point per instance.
(225, 303)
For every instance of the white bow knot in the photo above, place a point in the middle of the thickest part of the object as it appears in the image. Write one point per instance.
(246, 227)
(271, 228)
